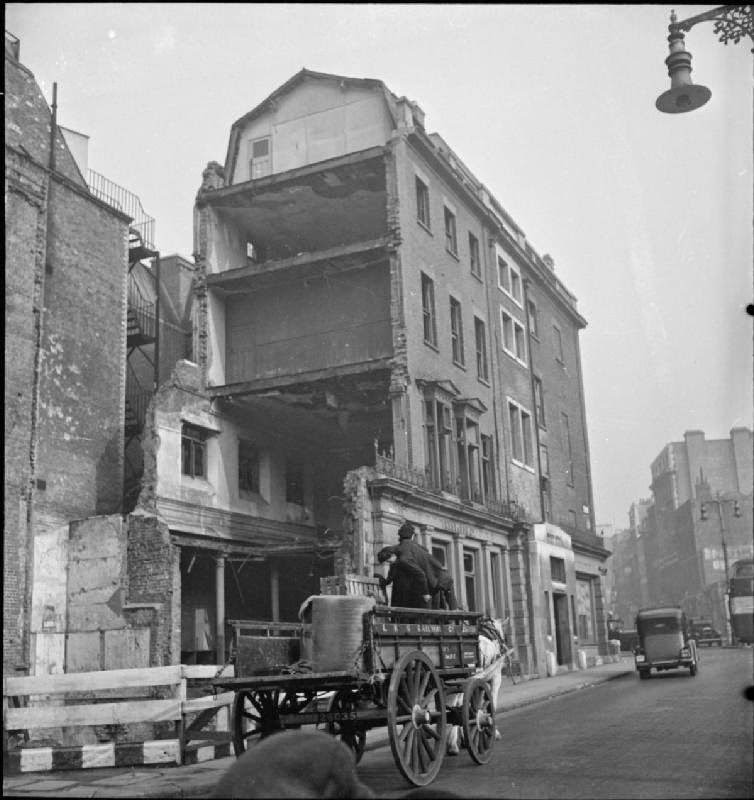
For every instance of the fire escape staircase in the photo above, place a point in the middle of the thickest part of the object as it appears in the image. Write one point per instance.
(143, 327)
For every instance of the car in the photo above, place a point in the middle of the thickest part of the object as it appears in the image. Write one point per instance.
(704, 633)
(664, 642)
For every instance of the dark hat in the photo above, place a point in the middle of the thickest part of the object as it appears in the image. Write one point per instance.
(385, 554)
(406, 531)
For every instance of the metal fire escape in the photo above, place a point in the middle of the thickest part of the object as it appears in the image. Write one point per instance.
(143, 328)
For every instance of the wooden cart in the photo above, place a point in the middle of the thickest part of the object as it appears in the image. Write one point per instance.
(410, 662)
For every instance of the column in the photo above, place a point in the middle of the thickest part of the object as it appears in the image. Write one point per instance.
(220, 608)
(489, 596)
(275, 592)
(460, 577)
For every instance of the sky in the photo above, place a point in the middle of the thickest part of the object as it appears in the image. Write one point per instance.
(648, 216)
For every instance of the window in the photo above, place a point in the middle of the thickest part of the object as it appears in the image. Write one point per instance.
(585, 609)
(422, 203)
(470, 579)
(558, 339)
(521, 430)
(503, 275)
(487, 468)
(565, 433)
(496, 577)
(539, 405)
(248, 467)
(514, 339)
(557, 570)
(428, 310)
(440, 552)
(456, 331)
(469, 468)
(481, 350)
(451, 242)
(531, 310)
(544, 460)
(509, 279)
(260, 163)
(438, 433)
(572, 518)
(294, 482)
(476, 265)
(193, 450)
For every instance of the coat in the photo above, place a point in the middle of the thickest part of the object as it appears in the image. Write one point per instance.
(409, 585)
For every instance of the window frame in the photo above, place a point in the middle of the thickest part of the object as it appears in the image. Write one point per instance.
(248, 452)
(518, 335)
(480, 338)
(533, 317)
(509, 279)
(451, 231)
(474, 256)
(263, 160)
(456, 332)
(472, 576)
(539, 403)
(429, 310)
(193, 449)
(518, 415)
(423, 216)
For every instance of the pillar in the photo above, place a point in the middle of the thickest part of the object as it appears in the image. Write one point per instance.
(220, 608)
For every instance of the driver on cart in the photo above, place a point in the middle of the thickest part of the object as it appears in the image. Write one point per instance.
(438, 578)
(410, 589)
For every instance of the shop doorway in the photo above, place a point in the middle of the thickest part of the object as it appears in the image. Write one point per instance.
(562, 628)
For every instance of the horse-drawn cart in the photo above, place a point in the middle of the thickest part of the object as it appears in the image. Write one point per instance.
(374, 666)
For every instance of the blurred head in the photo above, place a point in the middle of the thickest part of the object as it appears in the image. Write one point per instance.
(294, 764)
(406, 531)
(386, 554)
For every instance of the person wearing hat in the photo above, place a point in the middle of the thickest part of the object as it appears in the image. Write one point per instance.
(409, 582)
(438, 578)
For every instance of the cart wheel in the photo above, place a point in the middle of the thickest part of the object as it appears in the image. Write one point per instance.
(416, 718)
(478, 720)
(254, 715)
(350, 734)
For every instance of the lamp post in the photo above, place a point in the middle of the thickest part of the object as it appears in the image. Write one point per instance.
(719, 502)
(731, 23)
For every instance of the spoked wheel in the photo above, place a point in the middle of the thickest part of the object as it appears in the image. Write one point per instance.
(346, 702)
(255, 715)
(416, 718)
(478, 720)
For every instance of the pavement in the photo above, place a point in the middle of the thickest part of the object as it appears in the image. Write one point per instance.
(198, 780)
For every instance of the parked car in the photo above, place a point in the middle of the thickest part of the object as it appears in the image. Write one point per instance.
(664, 641)
(704, 633)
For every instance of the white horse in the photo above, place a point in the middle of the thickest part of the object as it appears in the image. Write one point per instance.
(490, 650)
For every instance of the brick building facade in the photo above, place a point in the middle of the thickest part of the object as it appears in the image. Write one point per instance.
(376, 341)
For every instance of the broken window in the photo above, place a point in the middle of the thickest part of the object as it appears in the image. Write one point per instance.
(193, 450)
(259, 162)
(248, 467)
(294, 482)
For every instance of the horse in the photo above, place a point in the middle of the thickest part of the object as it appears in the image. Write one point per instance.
(492, 646)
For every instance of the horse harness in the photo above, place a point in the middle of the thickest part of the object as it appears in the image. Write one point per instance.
(489, 631)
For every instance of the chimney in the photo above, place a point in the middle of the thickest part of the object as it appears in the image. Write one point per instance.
(549, 262)
(12, 46)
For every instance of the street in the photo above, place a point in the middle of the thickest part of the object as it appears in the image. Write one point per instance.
(670, 736)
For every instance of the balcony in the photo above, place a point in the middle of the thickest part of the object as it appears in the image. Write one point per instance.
(387, 466)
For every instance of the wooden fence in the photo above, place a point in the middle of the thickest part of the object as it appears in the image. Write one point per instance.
(119, 697)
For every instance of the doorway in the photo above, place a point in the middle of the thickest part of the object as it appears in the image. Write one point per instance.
(562, 628)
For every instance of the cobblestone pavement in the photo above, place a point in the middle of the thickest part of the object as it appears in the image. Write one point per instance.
(198, 780)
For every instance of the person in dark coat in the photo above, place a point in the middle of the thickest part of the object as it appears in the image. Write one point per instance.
(438, 578)
(410, 589)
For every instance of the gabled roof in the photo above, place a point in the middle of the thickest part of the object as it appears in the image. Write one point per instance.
(301, 76)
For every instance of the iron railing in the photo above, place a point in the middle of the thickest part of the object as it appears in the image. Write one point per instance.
(386, 465)
(121, 199)
(142, 309)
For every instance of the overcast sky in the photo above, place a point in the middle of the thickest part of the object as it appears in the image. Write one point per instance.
(648, 216)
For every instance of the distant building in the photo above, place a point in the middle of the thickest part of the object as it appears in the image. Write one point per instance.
(376, 341)
(682, 550)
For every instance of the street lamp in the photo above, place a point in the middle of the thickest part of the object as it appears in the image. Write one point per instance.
(719, 501)
(731, 23)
